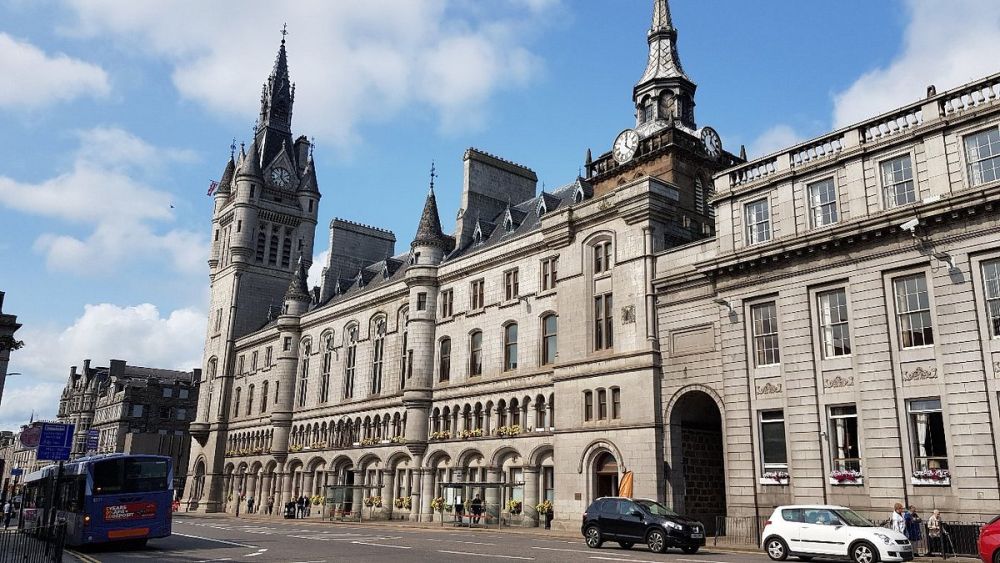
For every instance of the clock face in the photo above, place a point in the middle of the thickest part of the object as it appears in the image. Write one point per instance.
(713, 144)
(280, 177)
(625, 146)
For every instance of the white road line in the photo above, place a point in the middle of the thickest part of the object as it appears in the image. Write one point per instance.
(567, 550)
(317, 561)
(259, 552)
(215, 540)
(489, 555)
(382, 545)
(207, 560)
(473, 542)
(625, 560)
(700, 561)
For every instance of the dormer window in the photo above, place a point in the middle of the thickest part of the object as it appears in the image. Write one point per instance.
(578, 197)
(541, 208)
(508, 224)
(477, 236)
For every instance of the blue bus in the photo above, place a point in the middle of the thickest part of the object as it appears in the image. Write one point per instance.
(104, 498)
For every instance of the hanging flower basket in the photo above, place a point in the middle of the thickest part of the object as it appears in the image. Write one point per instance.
(514, 506)
(373, 502)
(437, 505)
(404, 503)
(543, 507)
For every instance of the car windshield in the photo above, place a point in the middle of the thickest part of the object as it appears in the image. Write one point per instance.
(655, 508)
(852, 518)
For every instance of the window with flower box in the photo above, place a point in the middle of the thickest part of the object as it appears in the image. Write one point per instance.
(773, 450)
(930, 442)
(846, 449)
(991, 290)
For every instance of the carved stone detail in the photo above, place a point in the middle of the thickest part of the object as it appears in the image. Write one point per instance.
(628, 314)
(769, 389)
(996, 369)
(838, 381)
(920, 374)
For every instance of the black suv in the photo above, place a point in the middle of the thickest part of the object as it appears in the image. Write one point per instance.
(629, 521)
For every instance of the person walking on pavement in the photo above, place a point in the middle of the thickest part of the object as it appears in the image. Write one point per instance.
(8, 511)
(250, 505)
(476, 507)
(897, 521)
(934, 533)
(913, 524)
(302, 506)
(270, 505)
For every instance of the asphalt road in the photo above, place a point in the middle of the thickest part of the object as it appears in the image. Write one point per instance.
(204, 539)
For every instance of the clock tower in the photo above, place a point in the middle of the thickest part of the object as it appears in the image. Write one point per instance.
(666, 142)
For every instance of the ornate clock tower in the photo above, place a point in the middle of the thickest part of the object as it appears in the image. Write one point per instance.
(666, 142)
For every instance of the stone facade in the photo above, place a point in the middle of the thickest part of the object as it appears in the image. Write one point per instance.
(8, 326)
(133, 409)
(556, 340)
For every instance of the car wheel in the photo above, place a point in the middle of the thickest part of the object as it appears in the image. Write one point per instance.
(593, 535)
(996, 556)
(690, 550)
(864, 552)
(626, 544)
(657, 541)
(776, 548)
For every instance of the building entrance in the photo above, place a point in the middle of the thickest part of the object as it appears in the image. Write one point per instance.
(698, 472)
(605, 476)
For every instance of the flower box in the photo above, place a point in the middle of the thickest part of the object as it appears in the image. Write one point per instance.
(775, 478)
(846, 477)
(931, 477)
(858, 481)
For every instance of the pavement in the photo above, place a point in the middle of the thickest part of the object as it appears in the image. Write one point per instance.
(255, 539)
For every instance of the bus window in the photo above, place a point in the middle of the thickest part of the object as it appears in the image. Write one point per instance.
(132, 475)
(71, 494)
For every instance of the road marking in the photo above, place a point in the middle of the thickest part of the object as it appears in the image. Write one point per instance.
(627, 560)
(567, 550)
(381, 545)
(700, 561)
(82, 557)
(217, 541)
(473, 542)
(317, 561)
(489, 555)
(259, 552)
(208, 560)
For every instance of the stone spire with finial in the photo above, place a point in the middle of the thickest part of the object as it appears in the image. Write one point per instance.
(429, 229)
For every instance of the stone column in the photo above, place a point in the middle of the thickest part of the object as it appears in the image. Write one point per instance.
(286, 488)
(358, 498)
(252, 488)
(530, 496)
(307, 483)
(386, 492)
(266, 489)
(492, 495)
(427, 494)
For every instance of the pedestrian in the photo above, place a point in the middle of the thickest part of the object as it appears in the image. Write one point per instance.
(934, 533)
(897, 521)
(8, 512)
(270, 505)
(250, 505)
(459, 510)
(913, 524)
(476, 507)
(548, 517)
(302, 506)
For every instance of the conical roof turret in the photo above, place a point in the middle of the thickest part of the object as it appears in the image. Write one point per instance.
(429, 229)
(298, 289)
(308, 183)
(227, 176)
(250, 165)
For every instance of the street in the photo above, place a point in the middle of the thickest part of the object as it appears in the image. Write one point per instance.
(203, 539)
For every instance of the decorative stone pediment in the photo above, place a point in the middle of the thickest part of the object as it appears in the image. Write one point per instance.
(768, 388)
(838, 382)
(920, 373)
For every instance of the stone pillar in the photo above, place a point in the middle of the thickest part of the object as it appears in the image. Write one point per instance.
(386, 492)
(266, 489)
(427, 494)
(358, 498)
(530, 496)
(286, 488)
(252, 488)
(492, 495)
(307, 483)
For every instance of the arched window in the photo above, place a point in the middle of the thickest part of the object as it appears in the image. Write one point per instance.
(304, 376)
(351, 335)
(476, 353)
(286, 249)
(467, 417)
(446, 419)
(444, 365)
(263, 397)
(578, 197)
(588, 406)
(510, 347)
(540, 413)
(602, 404)
(249, 399)
(213, 364)
(324, 387)
(236, 409)
(436, 420)
(378, 350)
(515, 413)
(261, 244)
(602, 256)
(550, 325)
(501, 413)
(272, 256)
(616, 403)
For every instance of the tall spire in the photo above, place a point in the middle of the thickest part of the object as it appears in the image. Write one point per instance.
(298, 289)
(274, 125)
(664, 61)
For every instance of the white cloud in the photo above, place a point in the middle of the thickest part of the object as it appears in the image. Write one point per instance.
(946, 43)
(139, 335)
(315, 277)
(352, 61)
(107, 189)
(776, 138)
(35, 79)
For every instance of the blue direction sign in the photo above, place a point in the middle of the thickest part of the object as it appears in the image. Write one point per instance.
(55, 442)
(92, 436)
(14, 472)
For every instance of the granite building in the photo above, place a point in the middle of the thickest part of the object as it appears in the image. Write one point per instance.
(8, 326)
(555, 339)
(132, 409)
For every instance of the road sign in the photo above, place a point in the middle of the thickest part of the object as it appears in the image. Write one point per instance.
(30, 436)
(92, 436)
(16, 471)
(55, 442)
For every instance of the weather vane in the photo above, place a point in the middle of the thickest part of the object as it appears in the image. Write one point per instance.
(284, 31)
(312, 146)
(433, 174)
(232, 148)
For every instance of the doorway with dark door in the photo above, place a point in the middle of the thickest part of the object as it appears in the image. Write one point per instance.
(605, 476)
(698, 476)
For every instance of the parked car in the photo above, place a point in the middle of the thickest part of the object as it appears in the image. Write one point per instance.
(629, 521)
(831, 532)
(989, 541)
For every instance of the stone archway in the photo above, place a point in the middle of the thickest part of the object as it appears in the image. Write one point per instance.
(697, 457)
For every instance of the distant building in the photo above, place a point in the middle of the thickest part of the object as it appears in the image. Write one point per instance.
(15, 455)
(8, 326)
(133, 410)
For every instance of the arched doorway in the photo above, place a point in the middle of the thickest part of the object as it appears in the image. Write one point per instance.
(698, 472)
(605, 476)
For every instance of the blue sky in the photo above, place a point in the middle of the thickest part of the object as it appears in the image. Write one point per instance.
(114, 116)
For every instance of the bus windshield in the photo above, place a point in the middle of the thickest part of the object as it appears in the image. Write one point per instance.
(129, 475)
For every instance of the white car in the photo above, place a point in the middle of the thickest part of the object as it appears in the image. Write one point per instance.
(831, 532)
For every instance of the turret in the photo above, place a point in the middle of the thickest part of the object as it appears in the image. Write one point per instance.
(296, 303)
(664, 91)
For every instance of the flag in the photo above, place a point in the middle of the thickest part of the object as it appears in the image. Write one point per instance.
(625, 488)
(212, 185)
